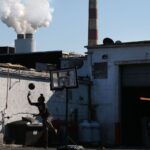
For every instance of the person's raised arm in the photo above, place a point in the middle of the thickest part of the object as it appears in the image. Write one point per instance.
(29, 100)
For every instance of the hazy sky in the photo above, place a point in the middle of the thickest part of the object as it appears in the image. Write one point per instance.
(125, 20)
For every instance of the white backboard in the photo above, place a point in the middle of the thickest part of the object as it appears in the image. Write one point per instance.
(64, 78)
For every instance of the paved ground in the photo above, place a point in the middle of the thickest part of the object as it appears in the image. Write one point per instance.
(14, 147)
(20, 147)
(34, 148)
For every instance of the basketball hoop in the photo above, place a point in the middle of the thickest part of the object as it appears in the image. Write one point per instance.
(64, 78)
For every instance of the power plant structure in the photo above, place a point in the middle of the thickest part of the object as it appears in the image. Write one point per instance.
(25, 43)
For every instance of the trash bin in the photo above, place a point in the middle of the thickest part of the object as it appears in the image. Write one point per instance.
(89, 132)
(95, 132)
(23, 133)
(15, 132)
(34, 135)
(85, 132)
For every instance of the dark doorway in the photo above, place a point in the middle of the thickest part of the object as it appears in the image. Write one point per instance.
(133, 110)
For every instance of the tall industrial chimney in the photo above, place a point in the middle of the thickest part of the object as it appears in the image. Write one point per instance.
(93, 24)
(25, 43)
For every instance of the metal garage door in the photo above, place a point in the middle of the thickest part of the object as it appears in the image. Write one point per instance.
(136, 75)
(134, 113)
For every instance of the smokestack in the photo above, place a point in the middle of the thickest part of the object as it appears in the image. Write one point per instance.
(93, 24)
(29, 36)
(20, 36)
(25, 43)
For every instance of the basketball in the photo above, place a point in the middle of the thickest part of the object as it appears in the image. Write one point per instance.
(31, 86)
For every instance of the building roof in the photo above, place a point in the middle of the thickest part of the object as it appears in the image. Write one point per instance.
(121, 44)
(29, 60)
(13, 66)
(18, 70)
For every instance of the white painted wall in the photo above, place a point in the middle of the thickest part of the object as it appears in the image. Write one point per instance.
(14, 89)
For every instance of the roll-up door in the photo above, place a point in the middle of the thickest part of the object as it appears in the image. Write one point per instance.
(136, 75)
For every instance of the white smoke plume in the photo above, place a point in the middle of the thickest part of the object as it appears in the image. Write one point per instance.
(25, 16)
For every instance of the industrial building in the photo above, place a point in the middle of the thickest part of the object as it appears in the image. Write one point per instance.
(120, 76)
(114, 76)
(119, 73)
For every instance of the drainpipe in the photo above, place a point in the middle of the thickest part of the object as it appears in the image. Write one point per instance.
(89, 103)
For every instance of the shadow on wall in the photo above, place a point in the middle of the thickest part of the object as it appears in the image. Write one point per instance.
(56, 105)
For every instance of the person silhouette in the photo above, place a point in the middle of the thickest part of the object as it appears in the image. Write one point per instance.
(43, 111)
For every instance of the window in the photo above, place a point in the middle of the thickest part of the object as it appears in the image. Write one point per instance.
(100, 70)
